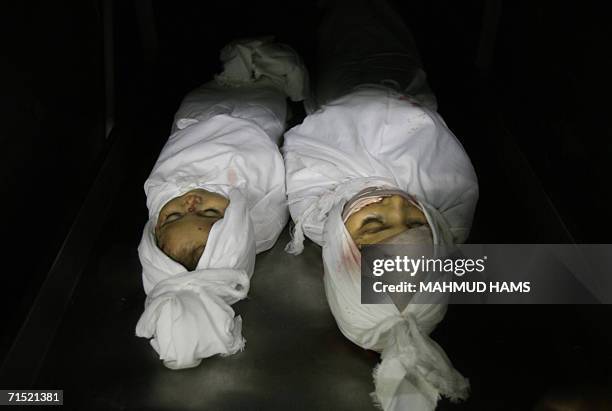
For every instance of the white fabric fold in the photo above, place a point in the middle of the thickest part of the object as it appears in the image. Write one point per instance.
(320, 206)
(414, 370)
(414, 366)
(378, 137)
(261, 60)
(219, 153)
(260, 104)
(224, 140)
(188, 314)
(377, 133)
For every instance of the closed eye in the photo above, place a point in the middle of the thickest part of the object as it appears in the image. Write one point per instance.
(210, 212)
(172, 217)
(372, 225)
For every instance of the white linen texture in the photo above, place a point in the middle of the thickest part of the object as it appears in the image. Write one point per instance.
(224, 140)
(376, 136)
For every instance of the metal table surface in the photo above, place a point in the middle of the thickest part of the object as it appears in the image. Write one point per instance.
(295, 357)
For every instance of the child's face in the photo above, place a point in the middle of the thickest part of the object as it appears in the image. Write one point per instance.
(379, 221)
(184, 224)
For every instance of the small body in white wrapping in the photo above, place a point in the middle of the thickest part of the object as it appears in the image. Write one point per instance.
(378, 137)
(224, 140)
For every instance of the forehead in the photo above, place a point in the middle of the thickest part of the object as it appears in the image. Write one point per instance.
(381, 204)
(204, 195)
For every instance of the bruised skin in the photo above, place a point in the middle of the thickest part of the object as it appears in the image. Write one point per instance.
(184, 224)
(380, 221)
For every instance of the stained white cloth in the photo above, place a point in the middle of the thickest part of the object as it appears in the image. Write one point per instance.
(378, 137)
(224, 140)
(371, 196)
(414, 370)
(188, 314)
(219, 146)
(377, 132)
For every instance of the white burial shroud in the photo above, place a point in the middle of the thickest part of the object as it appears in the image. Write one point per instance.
(377, 137)
(224, 140)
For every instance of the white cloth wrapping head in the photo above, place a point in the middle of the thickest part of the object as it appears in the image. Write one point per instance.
(221, 152)
(371, 196)
(375, 137)
(224, 140)
(188, 314)
(414, 370)
(262, 60)
(376, 132)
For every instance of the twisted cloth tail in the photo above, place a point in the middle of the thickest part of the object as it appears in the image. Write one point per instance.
(415, 371)
(188, 317)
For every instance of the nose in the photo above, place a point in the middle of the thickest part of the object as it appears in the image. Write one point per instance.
(191, 201)
(395, 206)
(395, 201)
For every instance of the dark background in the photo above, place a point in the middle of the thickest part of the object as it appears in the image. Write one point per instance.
(524, 84)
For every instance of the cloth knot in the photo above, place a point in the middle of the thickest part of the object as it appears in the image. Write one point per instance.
(188, 316)
(411, 357)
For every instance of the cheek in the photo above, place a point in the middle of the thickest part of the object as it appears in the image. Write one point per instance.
(351, 230)
(174, 238)
(204, 226)
(202, 231)
(353, 223)
(414, 213)
(398, 224)
(170, 240)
